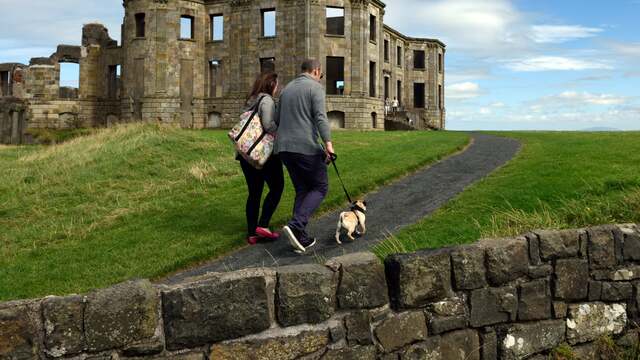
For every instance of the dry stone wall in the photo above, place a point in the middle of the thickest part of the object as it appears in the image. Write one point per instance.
(515, 298)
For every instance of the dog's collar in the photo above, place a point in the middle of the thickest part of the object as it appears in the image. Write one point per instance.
(355, 207)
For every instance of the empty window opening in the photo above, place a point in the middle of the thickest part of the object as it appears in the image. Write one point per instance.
(217, 27)
(418, 95)
(268, 22)
(69, 74)
(140, 25)
(186, 27)
(113, 84)
(267, 65)
(336, 119)
(215, 78)
(214, 120)
(440, 63)
(4, 83)
(440, 97)
(335, 21)
(418, 59)
(399, 92)
(373, 28)
(372, 79)
(335, 75)
(386, 51)
(374, 120)
(399, 56)
(386, 87)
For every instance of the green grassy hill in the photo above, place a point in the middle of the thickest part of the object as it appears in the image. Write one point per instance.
(558, 180)
(144, 200)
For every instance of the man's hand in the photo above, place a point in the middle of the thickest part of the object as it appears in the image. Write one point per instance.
(328, 151)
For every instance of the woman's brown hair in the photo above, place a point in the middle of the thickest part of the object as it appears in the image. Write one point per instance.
(265, 83)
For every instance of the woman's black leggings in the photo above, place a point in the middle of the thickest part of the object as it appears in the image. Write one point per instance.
(273, 175)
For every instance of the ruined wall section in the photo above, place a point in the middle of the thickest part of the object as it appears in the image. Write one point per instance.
(514, 298)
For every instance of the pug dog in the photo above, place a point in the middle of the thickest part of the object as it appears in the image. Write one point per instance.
(350, 220)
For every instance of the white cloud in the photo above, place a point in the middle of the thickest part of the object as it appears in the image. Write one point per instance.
(555, 63)
(484, 111)
(462, 91)
(593, 99)
(627, 49)
(561, 33)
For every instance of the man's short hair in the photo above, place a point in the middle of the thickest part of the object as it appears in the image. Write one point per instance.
(309, 65)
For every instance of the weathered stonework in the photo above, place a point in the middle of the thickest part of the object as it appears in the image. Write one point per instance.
(288, 313)
(153, 74)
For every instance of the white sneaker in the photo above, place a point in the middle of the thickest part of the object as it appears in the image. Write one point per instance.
(311, 244)
(288, 233)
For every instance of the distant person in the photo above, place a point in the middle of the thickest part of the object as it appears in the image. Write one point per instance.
(387, 106)
(302, 119)
(263, 91)
(395, 105)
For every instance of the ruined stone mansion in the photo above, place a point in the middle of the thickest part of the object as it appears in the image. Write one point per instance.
(192, 62)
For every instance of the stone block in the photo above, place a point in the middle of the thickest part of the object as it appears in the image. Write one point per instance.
(19, 335)
(587, 322)
(506, 259)
(534, 301)
(488, 344)
(63, 325)
(541, 271)
(400, 330)
(272, 346)
(555, 244)
(571, 279)
(616, 291)
(631, 242)
(602, 247)
(534, 249)
(362, 281)
(426, 350)
(418, 279)
(222, 307)
(559, 309)
(108, 314)
(460, 345)
(468, 268)
(358, 326)
(447, 315)
(595, 290)
(522, 340)
(493, 305)
(305, 294)
(351, 353)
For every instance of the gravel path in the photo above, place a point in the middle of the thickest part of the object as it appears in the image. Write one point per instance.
(391, 208)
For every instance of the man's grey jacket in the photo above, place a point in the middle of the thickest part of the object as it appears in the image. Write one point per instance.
(302, 117)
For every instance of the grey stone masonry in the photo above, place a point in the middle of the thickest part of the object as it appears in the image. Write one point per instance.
(474, 302)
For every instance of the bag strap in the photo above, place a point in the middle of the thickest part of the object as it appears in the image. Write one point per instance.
(255, 112)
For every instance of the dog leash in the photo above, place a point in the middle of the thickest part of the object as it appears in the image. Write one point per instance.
(333, 158)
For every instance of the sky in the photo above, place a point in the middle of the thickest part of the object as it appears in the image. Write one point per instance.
(510, 64)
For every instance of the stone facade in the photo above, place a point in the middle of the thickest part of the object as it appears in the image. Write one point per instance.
(191, 63)
(436, 304)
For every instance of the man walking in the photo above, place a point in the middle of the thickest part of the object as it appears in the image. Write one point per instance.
(302, 117)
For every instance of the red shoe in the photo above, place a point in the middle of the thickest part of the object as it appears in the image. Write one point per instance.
(266, 233)
(252, 240)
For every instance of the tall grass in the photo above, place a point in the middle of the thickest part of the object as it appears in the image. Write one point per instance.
(558, 180)
(143, 200)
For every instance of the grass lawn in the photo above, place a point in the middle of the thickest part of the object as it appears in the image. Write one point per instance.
(144, 200)
(558, 180)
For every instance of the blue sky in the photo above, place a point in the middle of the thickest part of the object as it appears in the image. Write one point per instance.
(511, 64)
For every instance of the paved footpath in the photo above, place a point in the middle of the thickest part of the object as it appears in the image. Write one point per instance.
(390, 208)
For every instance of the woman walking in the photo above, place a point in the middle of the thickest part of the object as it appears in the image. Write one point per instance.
(261, 96)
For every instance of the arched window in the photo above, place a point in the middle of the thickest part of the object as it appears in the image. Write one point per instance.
(214, 120)
(374, 120)
(336, 119)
